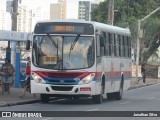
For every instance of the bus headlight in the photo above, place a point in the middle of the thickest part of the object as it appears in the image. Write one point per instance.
(87, 79)
(38, 79)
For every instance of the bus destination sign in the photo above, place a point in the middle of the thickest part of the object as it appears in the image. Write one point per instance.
(64, 28)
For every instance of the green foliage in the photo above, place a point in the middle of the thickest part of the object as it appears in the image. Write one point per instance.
(127, 14)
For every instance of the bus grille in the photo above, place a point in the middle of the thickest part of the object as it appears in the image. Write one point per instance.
(62, 88)
(63, 82)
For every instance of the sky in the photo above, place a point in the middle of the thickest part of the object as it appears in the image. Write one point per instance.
(72, 9)
(32, 3)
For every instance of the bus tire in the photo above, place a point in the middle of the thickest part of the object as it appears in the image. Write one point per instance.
(75, 98)
(44, 98)
(97, 98)
(110, 96)
(119, 94)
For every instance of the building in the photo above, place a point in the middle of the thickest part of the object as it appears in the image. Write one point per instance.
(3, 24)
(39, 14)
(58, 10)
(85, 8)
(24, 19)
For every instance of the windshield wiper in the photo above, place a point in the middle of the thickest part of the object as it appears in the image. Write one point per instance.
(52, 41)
(73, 44)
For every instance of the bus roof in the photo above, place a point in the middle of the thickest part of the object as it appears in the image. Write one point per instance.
(97, 25)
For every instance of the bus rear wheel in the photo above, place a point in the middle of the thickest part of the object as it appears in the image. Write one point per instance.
(44, 98)
(119, 94)
(110, 96)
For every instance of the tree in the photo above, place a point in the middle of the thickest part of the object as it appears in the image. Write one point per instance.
(129, 11)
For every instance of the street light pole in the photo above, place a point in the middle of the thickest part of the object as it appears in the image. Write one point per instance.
(138, 38)
(137, 59)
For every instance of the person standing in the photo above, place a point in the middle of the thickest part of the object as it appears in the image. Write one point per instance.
(28, 60)
(27, 86)
(143, 72)
(7, 75)
(27, 80)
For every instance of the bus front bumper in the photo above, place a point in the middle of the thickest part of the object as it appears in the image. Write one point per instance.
(85, 89)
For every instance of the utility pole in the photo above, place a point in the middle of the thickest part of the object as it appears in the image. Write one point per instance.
(14, 15)
(14, 28)
(111, 12)
(15, 50)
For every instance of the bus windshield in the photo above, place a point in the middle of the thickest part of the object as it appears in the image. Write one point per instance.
(63, 52)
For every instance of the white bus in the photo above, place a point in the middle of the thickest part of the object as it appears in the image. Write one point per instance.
(76, 58)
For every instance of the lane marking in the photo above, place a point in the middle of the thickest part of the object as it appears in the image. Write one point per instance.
(94, 109)
(124, 103)
(150, 98)
(47, 119)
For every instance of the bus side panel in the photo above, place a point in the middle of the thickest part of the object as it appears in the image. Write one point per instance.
(98, 77)
(113, 69)
(112, 74)
(127, 73)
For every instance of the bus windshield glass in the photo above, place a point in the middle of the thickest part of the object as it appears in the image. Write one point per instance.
(63, 52)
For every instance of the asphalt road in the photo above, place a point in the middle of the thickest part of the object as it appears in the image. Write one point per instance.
(138, 100)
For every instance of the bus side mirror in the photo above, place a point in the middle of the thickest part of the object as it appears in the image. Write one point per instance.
(28, 45)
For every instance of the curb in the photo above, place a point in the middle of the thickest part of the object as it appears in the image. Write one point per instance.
(20, 103)
(139, 86)
(23, 102)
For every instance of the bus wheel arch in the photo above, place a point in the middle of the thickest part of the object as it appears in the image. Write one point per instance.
(99, 98)
(119, 94)
(103, 84)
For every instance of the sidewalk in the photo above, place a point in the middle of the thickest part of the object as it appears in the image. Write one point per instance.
(149, 81)
(14, 99)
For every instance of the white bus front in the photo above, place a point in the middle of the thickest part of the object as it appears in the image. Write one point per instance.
(63, 60)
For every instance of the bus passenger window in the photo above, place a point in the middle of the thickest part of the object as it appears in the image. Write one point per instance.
(115, 45)
(110, 43)
(102, 46)
(123, 47)
(98, 46)
(107, 44)
(126, 46)
(129, 46)
(119, 45)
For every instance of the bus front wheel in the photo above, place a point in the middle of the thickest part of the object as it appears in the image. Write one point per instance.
(97, 98)
(44, 98)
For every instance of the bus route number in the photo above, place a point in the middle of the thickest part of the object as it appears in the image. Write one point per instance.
(64, 28)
